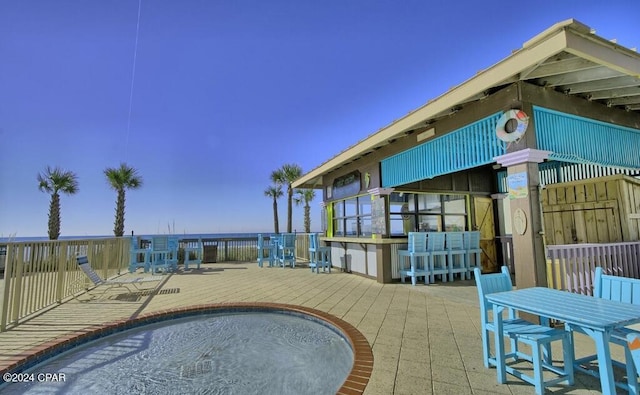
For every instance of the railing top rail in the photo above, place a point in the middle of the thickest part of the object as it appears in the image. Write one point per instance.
(585, 245)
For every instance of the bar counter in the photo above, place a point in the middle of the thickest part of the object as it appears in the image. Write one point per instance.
(371, 257)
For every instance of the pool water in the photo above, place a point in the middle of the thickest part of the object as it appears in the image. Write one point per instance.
(230, 353)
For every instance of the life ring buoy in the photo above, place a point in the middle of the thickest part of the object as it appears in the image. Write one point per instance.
(512, 125)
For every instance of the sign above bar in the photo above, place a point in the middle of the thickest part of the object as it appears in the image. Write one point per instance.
(347, 185)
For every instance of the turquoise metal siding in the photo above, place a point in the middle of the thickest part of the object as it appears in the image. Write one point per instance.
(473, 145)
(583, 140)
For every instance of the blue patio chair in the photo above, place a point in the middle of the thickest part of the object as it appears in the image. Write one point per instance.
(287, 250)
(619, 289)
(192, 249)
(319, 256)
(456, 255)
(274, 242)
(264, 246)
(135, 252)
(174, 244)
(416, 249)
(518, 330)
(437, 256)
(472, 245)
(164, 251)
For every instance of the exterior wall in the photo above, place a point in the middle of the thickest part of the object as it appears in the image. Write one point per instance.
(368, 259)
(598, 210)
(479, 180)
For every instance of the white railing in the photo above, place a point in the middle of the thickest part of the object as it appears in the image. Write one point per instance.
(40, 274)
(234, 249)
(571, 267)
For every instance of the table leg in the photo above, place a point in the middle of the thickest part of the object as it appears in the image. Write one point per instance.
(499, 344)
(604, 362)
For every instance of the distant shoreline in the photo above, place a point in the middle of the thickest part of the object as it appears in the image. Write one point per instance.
(4, 240)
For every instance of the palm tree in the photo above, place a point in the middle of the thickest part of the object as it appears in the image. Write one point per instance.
(274, 192)
(120, 179)
(53, 181)
(286, 175)
(305, 196)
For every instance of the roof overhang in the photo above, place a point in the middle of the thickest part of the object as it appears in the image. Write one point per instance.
(567, 57)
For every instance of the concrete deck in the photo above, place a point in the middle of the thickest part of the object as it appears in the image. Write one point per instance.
(425, 339)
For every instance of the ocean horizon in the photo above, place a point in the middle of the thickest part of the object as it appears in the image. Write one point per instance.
(143, 236)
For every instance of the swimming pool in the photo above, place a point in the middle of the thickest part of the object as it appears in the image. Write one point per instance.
(231, 348)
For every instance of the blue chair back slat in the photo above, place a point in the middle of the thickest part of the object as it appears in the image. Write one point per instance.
(160, 243)
(454, 241)
(620, 289)
(313, 241)
(417, 242)
(488, 284)
(471, 240)
(436, 241)
(172, 242)
(288, 240)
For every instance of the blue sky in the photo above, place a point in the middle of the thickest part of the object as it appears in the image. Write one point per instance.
(226, 92)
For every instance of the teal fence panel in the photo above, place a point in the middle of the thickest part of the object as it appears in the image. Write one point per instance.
(470, 146)
(582, 140)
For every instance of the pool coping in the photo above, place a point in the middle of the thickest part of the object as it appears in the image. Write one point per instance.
(355, 383)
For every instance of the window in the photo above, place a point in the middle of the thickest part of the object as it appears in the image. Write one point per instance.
(426, 212)
(352, 217)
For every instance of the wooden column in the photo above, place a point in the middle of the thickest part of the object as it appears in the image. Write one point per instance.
(528, 246)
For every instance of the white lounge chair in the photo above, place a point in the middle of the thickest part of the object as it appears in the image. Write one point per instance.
(136, 282)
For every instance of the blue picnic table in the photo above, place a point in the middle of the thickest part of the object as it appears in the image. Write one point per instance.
(595, 316)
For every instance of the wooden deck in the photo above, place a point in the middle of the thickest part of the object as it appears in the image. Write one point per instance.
(425, 339)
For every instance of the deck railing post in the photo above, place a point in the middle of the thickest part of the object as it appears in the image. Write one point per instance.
(8, 273)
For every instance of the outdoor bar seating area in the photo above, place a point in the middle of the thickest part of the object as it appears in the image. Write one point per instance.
(280, 250)
(160, 254)
(605, 317)
(443, 254)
